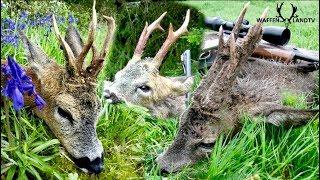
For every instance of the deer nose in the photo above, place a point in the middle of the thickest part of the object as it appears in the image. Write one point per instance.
(111, 97)
(95, 166)
(107, 94)
(164, 172)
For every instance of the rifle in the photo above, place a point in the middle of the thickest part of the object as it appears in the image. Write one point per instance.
(285, 54)
(186, 62)
(272, 34)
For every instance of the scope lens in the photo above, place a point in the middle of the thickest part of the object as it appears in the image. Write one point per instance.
(276, 35)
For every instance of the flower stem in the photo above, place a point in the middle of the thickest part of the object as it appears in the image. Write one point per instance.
(7, 122)
(19, 125)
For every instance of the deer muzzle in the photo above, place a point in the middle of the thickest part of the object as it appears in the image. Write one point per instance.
(111, 97)
(95, 166)
(169, 163)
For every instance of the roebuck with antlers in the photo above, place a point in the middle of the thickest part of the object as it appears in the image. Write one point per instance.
(234, 86)
(70, 92)
(140, 82)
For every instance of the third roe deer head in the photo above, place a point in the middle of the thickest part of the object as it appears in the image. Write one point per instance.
(234, 86)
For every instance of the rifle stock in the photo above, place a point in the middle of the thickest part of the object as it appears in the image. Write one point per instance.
(284, 54)
(269, 52)
(266, 50)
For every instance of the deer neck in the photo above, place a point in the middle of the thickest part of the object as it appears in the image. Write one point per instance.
(170, 107)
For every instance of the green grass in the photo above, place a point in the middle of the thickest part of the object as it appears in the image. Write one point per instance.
(132, 138)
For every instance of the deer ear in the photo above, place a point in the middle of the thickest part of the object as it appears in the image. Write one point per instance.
(282, 115)
(181, 85)
(74, 40)
(37, 58)
(291, 117)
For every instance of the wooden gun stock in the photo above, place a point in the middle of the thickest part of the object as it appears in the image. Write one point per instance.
(275, 53)
(284, 54)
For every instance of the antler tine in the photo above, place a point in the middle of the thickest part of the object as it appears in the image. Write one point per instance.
(88, 44)
(171, 38)
(97, 60)
(70, 55)
(109, 37)
(249, 43)
(238, 24)
(263, 16)
(221, 40)
(145, 36)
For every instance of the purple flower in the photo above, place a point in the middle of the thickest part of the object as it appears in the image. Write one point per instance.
(46, 20)
(24, 15)
(9, 24)
(22, 26)
(40, 103)
(72, 19)
(17, 84)
(32, 22)
(17, 99)
(10, 39)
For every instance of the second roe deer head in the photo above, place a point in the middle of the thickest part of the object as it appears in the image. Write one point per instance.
(140, 83)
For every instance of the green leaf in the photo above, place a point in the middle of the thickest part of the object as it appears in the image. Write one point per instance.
(28, 124)
(34, 172)
(17, 129)
(11, 173)
(22, 174)
(23, 159)
(11, 148)
(58, 176)
(6, 167)
(4, 155)
(45, 145)
(48, 158)
(25, 148)
(73, 176)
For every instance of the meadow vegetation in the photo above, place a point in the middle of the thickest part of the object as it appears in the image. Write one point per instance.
(130, 136)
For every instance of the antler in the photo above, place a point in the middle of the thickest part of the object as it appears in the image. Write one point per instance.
(145, 36)
(90, 40)
(237, 27)
(109, 37)
(98, 58)
(223, 50)
(77, 62)
(216, 89)
(172, 38)
(70, 56)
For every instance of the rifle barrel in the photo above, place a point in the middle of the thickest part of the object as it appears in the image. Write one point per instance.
(301, 56)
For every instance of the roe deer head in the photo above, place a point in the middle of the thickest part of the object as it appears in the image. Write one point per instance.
(140, 82)
(70, 92)
(234, 86)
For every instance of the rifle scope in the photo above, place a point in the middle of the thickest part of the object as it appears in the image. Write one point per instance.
(272, 34)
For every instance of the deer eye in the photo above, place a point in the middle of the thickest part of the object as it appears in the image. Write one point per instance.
(206, 145)
(65, 114)
(144, 88)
